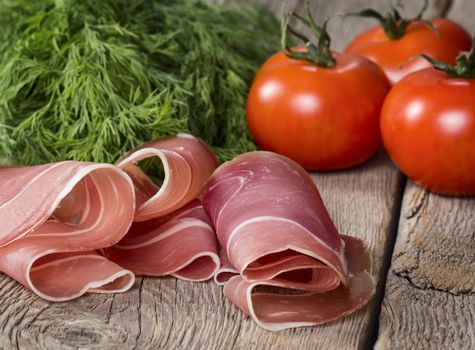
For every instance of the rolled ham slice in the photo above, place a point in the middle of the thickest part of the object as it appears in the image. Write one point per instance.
(171, 235)
(187, 162)
(53, 217)
(277, 237)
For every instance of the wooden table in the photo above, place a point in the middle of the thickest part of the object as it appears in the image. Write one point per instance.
(423, 248)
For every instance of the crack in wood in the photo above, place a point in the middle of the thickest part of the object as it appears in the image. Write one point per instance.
(430, 269)
(421, 201)
(373, 326)
(139, 313)
(109, 313)
(406, 274)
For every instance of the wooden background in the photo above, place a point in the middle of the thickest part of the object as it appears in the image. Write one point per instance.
(423, 248)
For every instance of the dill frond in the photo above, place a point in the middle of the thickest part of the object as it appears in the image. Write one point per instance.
(89, 80)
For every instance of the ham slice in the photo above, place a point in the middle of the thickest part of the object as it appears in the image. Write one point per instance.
(171, 235)
(181, 244)
(275, 232)
(187, 162)
(53, 217)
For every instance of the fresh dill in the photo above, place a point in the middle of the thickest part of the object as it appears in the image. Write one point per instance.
(89, 80)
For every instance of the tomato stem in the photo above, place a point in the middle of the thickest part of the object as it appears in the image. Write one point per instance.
(464, 67)
(393, 23)
(318, 54)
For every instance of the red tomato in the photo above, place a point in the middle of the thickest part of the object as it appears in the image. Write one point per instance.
(393, 55)
(428, 128)
(323, 118)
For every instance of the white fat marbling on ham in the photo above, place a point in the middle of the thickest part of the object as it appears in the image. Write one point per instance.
(275, 231)
(53, 217)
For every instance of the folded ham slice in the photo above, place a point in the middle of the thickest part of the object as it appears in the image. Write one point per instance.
(181, 244)
(53, 217)
(187, 162)
(172, 234)
(274, 231)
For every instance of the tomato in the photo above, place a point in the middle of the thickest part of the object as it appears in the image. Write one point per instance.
(323, 118)
(428, 128)
(394, 56)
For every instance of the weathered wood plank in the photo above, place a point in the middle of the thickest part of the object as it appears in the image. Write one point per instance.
(167, 313)
(429, 301)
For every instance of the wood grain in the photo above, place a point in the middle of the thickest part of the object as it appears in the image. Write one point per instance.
(165, 313)
(429, 301)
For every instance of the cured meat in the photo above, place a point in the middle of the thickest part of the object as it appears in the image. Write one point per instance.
(172, 234)
(53, 217)
(72, 227)
(275, 232)
(182, 244)
(60, 221)
(187, 162)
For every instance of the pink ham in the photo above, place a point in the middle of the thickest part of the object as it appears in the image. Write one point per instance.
(182, 244)
(187, 162)
(275, 231)
(53, 217)
(172, 234)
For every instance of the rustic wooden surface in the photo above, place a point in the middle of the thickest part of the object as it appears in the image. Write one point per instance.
(429, 297)
(429, 300)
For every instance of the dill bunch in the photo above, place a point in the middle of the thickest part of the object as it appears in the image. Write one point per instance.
(89, 80)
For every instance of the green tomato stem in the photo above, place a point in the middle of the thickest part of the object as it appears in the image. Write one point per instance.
(318, 54)
(394, 25)
(464, 67)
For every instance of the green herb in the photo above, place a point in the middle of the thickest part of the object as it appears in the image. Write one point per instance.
(153, 167)
(89, 80)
